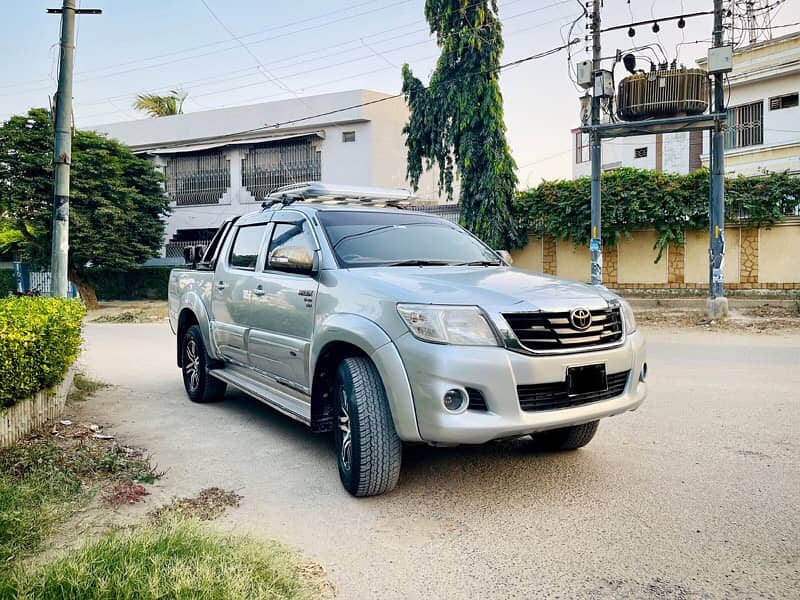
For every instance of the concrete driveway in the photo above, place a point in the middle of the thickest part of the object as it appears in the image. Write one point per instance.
(694, 495)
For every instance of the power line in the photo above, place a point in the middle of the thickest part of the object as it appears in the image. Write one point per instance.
(451, 81)
(325, 67)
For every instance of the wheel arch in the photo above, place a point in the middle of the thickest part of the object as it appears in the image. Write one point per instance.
(345, 335)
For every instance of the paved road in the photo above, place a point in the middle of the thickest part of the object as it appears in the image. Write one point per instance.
(695, 495)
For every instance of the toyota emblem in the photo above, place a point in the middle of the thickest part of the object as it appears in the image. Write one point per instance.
(580, 318)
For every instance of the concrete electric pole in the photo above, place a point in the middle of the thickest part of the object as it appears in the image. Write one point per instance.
(62, 152)
(596, 244)
(717, 303)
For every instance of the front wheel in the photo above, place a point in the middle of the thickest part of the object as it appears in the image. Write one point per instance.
(200, 386)
(566, 438)
(368, 449)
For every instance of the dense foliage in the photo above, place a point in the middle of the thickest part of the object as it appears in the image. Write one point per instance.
(117, 201)
(457, 121)
(7, 282)
(639, 199)
(39, 340)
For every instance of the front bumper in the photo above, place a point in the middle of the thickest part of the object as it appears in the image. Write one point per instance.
(496, 372)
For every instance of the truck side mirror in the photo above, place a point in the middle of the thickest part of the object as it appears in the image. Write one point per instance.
(296, 259)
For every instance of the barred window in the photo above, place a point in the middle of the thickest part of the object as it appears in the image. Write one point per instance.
(197, 177)
(280, 163)
(582, 148)
(745, 125)
(640, 152)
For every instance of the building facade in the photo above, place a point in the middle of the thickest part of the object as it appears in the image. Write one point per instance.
(762, 133)
(223, 162)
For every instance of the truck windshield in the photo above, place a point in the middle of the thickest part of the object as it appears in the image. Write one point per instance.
(372, 239)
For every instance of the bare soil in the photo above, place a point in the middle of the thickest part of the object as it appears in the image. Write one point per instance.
(764, 318)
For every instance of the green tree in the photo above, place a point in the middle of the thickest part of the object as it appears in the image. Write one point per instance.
(457, 121)
(161, 106)
(117, 204)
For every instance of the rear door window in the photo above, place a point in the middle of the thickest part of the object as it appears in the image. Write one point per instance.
(244, 252)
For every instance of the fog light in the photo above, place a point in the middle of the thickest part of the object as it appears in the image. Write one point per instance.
(643, 373)
(455, 400)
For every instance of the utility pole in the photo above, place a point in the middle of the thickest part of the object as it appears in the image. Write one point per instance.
(717, 303)
(62, 151)
(596, 244)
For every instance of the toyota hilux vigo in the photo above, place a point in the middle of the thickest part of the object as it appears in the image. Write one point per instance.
(387, 326)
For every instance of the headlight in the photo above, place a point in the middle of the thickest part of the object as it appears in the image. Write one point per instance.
(627, 316)
(459, 325)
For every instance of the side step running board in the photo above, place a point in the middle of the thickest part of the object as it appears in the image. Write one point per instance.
(277, 399)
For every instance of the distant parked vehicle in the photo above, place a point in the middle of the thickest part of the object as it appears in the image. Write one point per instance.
(340, 309)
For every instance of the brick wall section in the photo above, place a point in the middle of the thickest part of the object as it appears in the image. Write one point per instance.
(704, 286)
(610, 262)
(748, 267)
(675, 256)
(549, 255)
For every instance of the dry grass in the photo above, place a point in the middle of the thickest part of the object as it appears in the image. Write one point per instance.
(209, 504)
(138, 311)
(753, 319)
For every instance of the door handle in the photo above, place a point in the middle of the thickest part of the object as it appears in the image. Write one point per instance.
(259, 291)
(221, 285)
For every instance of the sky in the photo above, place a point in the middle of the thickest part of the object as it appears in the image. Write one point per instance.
(315, 46)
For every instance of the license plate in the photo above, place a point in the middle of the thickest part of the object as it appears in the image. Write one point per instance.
(586, 379)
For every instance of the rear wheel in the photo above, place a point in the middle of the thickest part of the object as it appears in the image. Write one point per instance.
(566, 438)
(368, 449)
(200, 386)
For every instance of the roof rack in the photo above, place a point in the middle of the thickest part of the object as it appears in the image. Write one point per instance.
(323, 193)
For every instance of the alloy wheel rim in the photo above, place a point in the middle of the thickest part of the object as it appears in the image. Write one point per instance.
(346, 444)
(192, 365)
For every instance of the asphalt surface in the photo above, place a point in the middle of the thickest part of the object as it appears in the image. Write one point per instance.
(695, 495)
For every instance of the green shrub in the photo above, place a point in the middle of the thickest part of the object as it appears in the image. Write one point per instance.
(177, 559)
(148, 283)
(7, 283)
(39, 340)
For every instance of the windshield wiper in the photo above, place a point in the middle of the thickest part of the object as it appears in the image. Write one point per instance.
(480, 263)
(419, 263)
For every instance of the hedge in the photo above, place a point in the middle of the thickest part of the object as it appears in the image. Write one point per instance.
(7, 283)
(640, 199)
(39, 340)
(148, 283)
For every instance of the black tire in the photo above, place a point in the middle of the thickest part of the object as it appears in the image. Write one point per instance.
(567, 438)
(369, 461)
(200, 386)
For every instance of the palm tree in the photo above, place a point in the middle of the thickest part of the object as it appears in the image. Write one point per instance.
(161, 106)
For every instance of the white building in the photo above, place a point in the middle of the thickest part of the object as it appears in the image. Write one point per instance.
(763, 131)
(224, 162)
(669, 153)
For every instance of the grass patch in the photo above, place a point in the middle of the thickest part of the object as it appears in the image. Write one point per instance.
(50, 475)
(84, 388)
(126, 316)
(171, 559)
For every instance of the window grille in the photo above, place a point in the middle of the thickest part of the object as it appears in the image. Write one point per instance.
(745, 125)
(787, 101)
(640, 152)
(197, 178)
(280, 163)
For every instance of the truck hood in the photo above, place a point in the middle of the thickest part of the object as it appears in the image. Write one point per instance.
(482, 286)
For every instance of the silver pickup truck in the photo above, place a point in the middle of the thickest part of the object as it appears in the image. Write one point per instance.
(388, 326)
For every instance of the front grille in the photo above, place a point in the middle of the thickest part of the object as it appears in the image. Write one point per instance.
(543, 331)
(476, 400)
(552, 396)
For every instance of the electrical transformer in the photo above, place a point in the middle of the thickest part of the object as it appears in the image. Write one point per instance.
(663, 93)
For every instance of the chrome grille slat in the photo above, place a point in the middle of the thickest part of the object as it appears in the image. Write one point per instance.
(543, 331)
